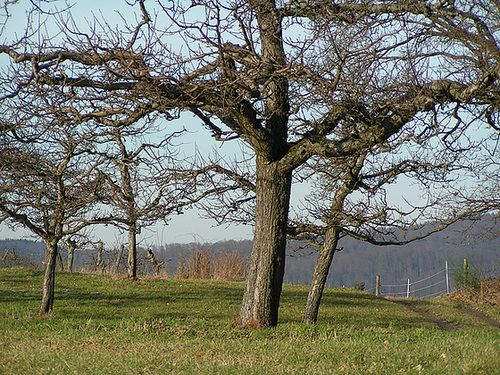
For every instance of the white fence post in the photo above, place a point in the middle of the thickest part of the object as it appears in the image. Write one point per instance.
(416, 287)
(447, 278)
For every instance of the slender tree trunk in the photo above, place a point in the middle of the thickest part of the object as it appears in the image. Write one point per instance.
(71, 255)
(267, 261)
(132, 252)
(324, 261)
(49, 278)
(118, 259)
(320, 275)
(155, 265)
(100, 262)
(60, 261)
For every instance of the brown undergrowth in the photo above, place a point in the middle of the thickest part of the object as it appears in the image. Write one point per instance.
(482, 291)
(221, 265)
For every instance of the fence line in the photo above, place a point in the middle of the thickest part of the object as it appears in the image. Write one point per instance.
(438, 286)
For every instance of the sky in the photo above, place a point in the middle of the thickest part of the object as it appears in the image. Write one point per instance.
(186, 228)
(189, 227)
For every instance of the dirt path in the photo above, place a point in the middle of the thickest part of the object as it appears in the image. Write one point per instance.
(482, 316)
(447, 326)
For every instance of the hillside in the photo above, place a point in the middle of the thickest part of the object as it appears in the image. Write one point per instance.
(357, 262)
(108, 325)
(361, 262)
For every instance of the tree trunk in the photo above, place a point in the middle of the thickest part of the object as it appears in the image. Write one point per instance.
(320, 275)
(132, 252)
(155, 265)
(267, 261)
(100, 262)
(118, 259)
(60, 261)
(71, 255)
(49, 278)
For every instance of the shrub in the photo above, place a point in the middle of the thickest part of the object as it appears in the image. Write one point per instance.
(203, 264)
(360, 286)
(474, 286)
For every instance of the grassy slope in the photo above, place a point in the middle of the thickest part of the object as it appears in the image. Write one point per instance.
(105, 325)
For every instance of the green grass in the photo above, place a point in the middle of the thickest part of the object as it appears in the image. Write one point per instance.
(103, 325)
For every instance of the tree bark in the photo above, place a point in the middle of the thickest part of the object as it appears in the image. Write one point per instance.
(49, 278)
(71, 255)
(118, 259)
(100, 262)
(320, 275)
(267, 262)
(132, 252)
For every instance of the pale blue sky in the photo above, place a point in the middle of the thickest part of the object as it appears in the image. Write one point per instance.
(188, 227)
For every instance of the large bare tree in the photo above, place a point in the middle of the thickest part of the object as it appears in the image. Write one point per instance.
(294, 80)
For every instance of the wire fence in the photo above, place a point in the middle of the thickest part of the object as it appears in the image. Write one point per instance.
(427, 287)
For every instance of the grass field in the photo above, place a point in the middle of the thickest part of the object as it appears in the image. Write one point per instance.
(104, 325)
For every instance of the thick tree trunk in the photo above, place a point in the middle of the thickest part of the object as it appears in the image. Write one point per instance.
(132, 252)
(49, 278)
(267, 262)
(320, 275)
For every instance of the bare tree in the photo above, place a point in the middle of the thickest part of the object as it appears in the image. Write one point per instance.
(350, 199)
(119, 254)
(48, 183)
(71, 245)
(294, 80)
(99, 263)
(141, 190)
(154, 263)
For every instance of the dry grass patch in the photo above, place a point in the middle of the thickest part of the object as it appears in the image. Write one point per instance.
(479, 291)
(204, 264)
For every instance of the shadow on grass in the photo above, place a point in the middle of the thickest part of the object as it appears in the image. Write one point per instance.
(348, 307)
(81, 296)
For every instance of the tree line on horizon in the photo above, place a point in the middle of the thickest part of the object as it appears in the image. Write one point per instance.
(358, 262)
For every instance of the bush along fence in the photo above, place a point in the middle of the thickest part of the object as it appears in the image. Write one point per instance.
(428, 287)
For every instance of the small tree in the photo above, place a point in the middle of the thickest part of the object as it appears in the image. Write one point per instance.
(154, 263)
(49, 185)
(140, 188)
(349, 198)
(71, 245)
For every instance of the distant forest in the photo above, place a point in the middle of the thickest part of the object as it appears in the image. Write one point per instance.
(357, 262)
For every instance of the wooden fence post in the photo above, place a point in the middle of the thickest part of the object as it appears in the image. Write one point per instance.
(377, 285)
(466, 272)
